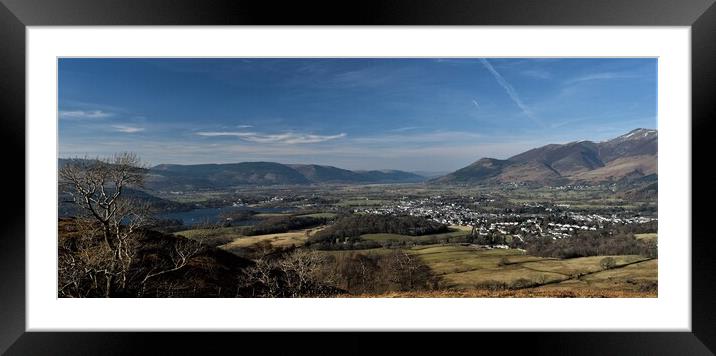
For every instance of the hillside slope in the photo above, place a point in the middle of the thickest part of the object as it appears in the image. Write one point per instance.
(628, 156)
(204, 176)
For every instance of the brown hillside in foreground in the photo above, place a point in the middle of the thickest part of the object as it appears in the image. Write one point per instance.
(519, 293)
(212, 272)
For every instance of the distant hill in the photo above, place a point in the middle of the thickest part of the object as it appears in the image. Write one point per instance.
(207, 176)
(483, 170)
(627, 157)
(328, 174)
(390, 176)
(177, 176)
(431, 174)
(173, 176)
(624, 158)
(67, 207)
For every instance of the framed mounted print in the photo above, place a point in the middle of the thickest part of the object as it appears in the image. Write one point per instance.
(359, 178)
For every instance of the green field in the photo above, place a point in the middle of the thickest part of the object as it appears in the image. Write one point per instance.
(452, 259)
(270, 215)
(318, 215)
(634, 277)
(360, 202)
(465, 267)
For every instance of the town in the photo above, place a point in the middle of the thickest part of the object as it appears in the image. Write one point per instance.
(552, 222)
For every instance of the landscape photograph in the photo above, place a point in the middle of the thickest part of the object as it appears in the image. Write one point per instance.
(357, 178)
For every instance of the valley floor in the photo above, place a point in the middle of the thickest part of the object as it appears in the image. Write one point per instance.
(461, 265)
(475, 271)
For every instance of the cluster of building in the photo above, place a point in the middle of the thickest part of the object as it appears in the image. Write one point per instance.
(614, 219)
(551, 224)
(432, 208)
(579, 187)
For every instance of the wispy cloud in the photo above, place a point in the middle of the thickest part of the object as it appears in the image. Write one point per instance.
(84, 114)
(364, 77)
(224, 133)
(448, 155)
(600, 76)
(282, 138)
(244, 126)
(127, 129)
(407, 128)
(537, 73)
(510, 90)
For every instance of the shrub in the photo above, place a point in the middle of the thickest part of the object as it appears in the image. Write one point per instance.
(504, 261)
(492, 285)
(648, 286)
(608, 262)
(522, 283)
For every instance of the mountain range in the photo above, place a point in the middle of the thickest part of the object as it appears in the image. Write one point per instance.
(627, 157)
(174, 176)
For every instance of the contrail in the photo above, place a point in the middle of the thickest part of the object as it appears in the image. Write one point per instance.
(510, 90)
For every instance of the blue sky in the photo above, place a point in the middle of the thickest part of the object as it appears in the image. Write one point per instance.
(426, 114)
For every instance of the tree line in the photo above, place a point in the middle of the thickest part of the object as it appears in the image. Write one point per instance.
(303, 272)
(592, 243)
(280, 224)
(348, 229)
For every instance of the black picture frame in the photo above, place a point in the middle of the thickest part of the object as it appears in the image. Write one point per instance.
(16, 15)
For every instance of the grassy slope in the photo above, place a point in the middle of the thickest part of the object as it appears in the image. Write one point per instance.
(631, 277)
(647, 237)
(277, 240)
(284, 239)
(520, 293)
(212, 232)
(463, 267)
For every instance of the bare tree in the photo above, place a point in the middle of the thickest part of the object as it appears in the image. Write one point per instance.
(405, 270)
(303, 269)
(260, 274)
(182, 252)
(97, 184)
(96, 187)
